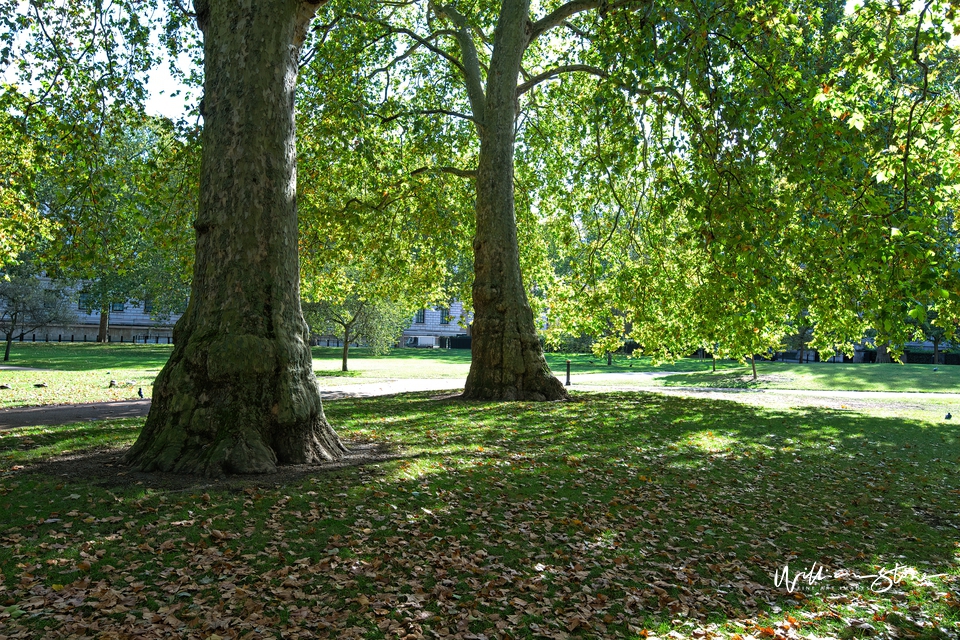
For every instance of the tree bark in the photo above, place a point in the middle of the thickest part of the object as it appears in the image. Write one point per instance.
(6, 350)
(238, 394)
(507, 361)
(104, 329)
(346, 348)
(883, 354)
(753, 364)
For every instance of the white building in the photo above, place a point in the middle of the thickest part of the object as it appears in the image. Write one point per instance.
(440, 327)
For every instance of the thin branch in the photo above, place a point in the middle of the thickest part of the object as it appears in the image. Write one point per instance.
(583, 34)
(183, 10)
(454, 171)
(744, 51)
(559, 15)
(471, 61)
(552, 73)
(409, 52)
(410, 34)
(427, 112)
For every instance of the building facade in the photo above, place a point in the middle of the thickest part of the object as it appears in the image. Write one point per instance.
(439, 328)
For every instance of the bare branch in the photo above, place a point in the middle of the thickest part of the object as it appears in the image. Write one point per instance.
(412, 35)
(580, 32)
(552, 73)
(427, 112)
(471, 61)
(409, 52)
(454, 171)
(182, 9)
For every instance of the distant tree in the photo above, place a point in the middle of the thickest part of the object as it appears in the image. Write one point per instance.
(28, 303)
(124, 212)
(378, 323)
(925, 320)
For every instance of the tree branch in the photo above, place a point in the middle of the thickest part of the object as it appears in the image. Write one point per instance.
(471, 61)
(552, 73)
(915, 56)
(427, 112)
(454, 171)
(409, 52)
(756, 63)
(412, 35)
(559, 15)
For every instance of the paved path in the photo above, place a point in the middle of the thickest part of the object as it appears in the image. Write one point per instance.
(69, 413)
(626, 381)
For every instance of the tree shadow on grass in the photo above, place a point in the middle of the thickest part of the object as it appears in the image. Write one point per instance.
(621, 512)
(104, 467)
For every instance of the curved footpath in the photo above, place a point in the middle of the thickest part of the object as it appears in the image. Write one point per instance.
(932, 403)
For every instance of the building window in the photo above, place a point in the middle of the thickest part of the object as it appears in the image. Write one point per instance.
(421, 316)
(116, 307)
(444, 315)
(147, 304)
(84, 303)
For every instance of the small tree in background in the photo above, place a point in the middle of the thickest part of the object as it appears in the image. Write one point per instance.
(28, 303)
(379, 323)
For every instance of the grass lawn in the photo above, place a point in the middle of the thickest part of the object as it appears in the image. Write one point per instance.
(76, 373)
(620, 515)
(827, 376)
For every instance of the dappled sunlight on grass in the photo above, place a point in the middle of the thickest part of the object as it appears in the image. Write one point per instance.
(28, 444)
(826, 376)
(610, 515)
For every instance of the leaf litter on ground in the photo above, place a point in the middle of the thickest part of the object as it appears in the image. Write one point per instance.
(619, 515)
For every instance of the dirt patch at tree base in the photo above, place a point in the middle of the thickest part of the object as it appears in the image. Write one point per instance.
(104, 467)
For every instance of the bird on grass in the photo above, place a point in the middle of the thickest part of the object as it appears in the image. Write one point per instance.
(947, 417)
(140, 392)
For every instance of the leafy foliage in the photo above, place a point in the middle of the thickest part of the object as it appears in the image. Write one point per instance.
(28, 303)
(376, 322)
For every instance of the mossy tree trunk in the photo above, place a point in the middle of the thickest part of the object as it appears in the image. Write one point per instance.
(507, 362)
(238, 394)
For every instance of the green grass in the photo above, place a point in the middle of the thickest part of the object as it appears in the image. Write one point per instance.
(455, 363)
(620, 515)
(76, 373)
(827, 376)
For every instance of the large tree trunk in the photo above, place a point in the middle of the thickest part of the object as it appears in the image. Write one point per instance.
(104, 330)
(507, 362)
(238, 394)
